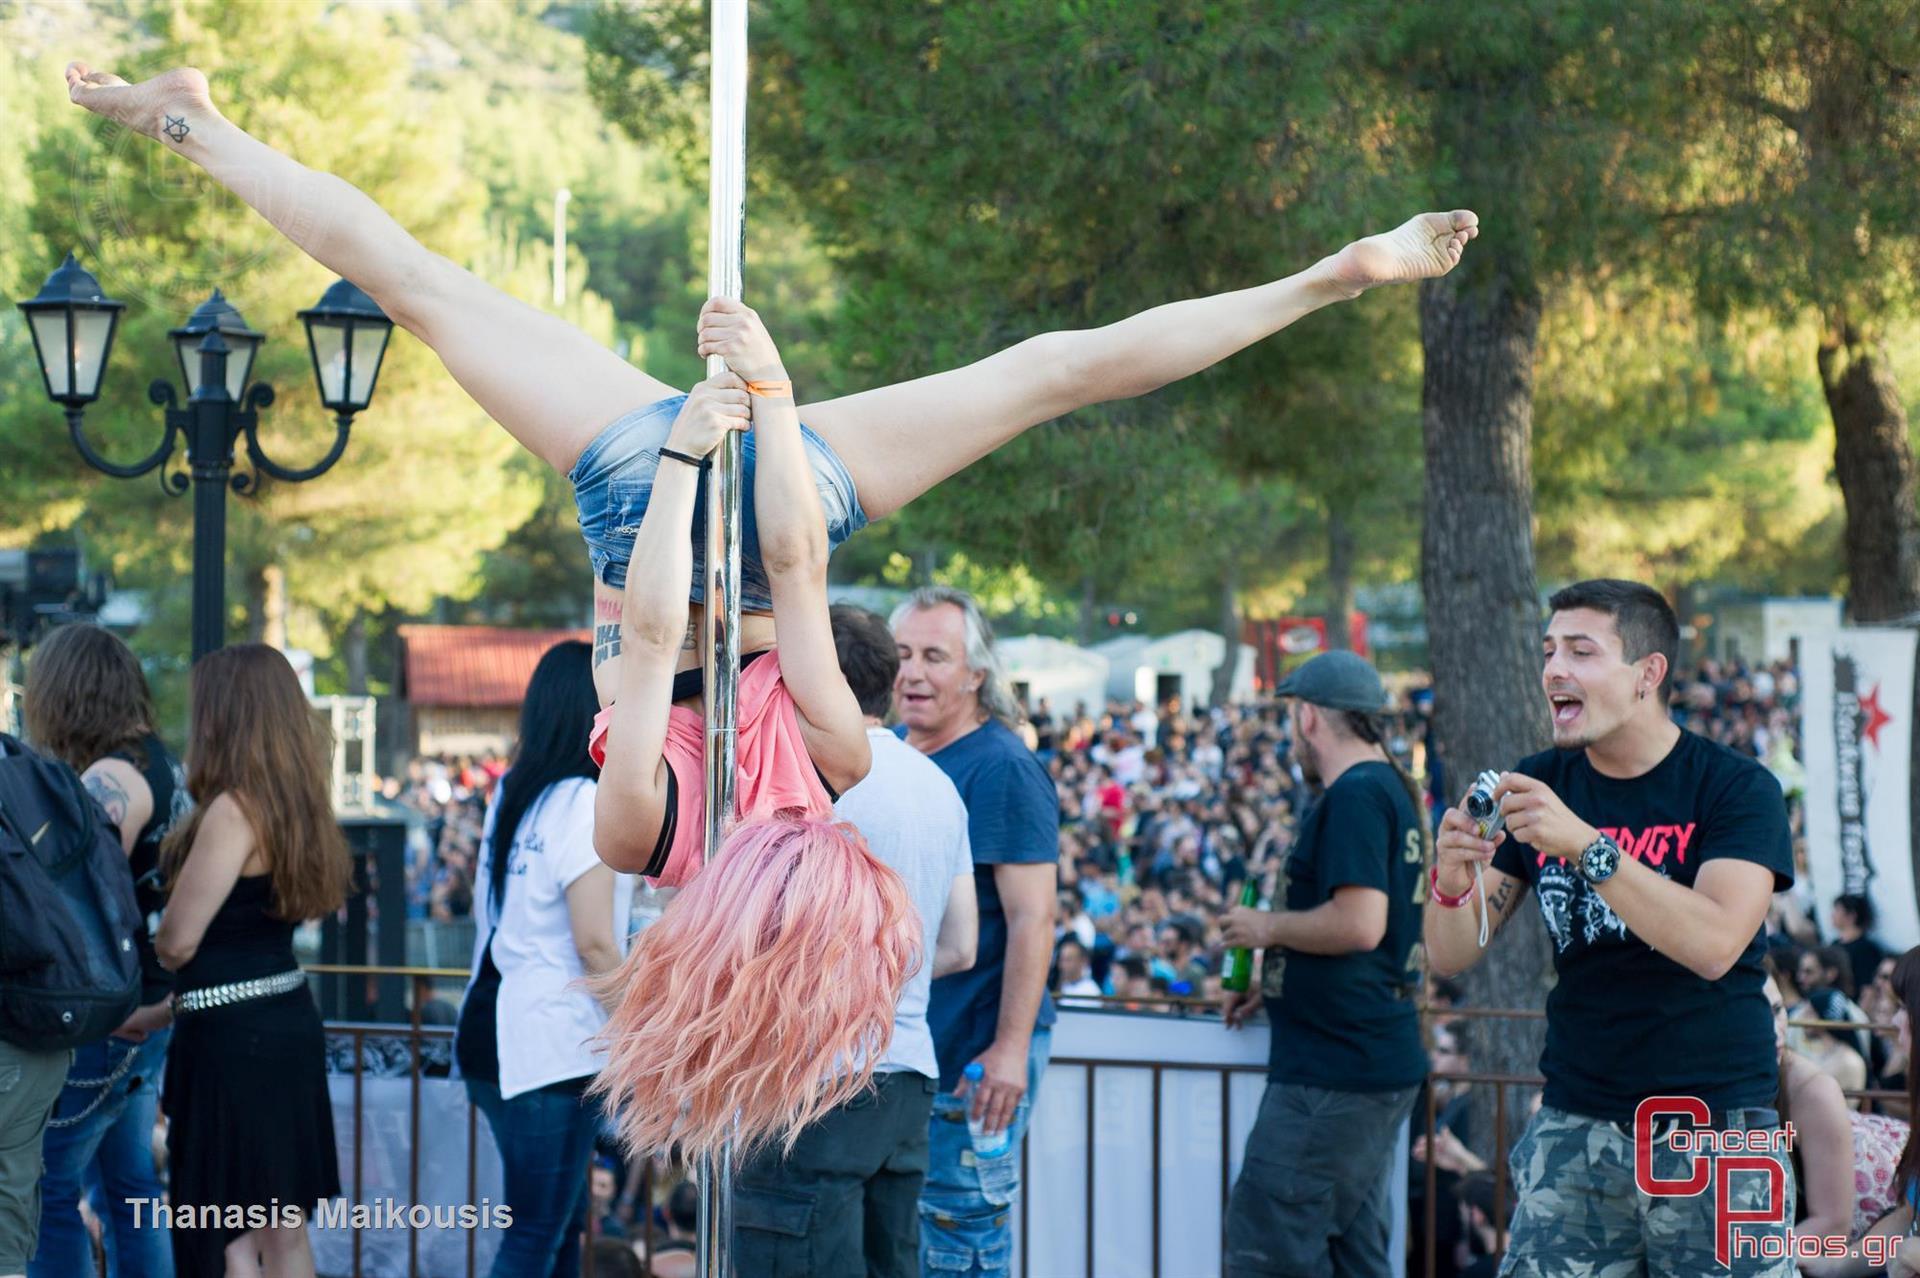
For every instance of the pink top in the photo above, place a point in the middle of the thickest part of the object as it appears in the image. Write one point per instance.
(775, 773)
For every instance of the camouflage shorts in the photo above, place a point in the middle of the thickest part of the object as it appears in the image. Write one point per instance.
(1580, 1215)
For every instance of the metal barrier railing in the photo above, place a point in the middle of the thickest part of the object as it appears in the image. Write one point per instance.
(417, 1035)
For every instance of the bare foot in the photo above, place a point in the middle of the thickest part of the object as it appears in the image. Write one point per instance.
(1426, 245)
(168, 107)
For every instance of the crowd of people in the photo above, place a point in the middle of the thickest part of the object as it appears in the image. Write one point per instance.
(1164, 814)
(1166, 810)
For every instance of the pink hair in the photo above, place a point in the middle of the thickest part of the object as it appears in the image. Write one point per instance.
(763, 996)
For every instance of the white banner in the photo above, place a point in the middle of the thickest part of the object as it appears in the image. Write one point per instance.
(1857, 694)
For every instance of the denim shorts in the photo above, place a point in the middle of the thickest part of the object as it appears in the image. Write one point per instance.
(613, 480)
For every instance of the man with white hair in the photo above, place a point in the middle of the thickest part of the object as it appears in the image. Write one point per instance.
(954, 706)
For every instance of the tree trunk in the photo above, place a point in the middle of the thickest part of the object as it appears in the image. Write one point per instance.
(1873, 459)
(1339, 580)
(1229, 631)
(1483, 607)
(353, 646)
(257, 591)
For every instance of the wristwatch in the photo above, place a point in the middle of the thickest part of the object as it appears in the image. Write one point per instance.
(1599, 859)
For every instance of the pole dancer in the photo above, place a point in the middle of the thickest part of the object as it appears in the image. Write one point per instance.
(615, 431)
(601, 421)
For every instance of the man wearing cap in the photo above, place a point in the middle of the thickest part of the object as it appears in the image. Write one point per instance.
(1339, 973)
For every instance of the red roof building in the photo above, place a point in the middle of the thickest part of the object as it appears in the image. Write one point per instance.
(463, 684)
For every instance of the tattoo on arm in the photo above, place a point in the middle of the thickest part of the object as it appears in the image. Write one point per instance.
(111, 795)
(606, 644)
(176, 128)
(1501, 898)
(687, 644)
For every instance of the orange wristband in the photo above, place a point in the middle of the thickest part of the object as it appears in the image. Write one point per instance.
(771, 390)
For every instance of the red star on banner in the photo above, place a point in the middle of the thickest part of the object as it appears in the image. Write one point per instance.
(1875, 718)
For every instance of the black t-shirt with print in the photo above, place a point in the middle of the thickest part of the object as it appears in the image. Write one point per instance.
(1348, 1022)
(1625, 1022)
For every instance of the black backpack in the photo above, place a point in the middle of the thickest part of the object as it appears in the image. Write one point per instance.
(69, 969)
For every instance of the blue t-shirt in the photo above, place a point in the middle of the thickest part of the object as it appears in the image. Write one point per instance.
(1013, 818)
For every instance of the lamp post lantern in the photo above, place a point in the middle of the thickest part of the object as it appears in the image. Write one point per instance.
(73, 325)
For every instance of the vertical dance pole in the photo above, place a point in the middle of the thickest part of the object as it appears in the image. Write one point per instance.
(726, 232)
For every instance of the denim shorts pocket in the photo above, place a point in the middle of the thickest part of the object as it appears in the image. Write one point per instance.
(770, 1232)
(626, 506)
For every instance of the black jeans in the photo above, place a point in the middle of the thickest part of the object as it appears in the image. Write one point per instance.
(847, 1200)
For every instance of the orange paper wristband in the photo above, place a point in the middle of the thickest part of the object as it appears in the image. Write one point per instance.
(771, 390)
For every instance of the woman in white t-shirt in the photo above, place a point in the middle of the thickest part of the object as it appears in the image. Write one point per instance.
(549, 914)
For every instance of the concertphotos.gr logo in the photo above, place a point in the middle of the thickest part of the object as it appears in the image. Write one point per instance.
(1717, 1157)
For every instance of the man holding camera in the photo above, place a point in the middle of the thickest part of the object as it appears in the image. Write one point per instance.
(1654, 854)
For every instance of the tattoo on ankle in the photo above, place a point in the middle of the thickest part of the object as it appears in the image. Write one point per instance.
(606, 644)
(176, 128)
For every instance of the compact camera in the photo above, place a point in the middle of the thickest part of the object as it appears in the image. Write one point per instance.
(1483, 808)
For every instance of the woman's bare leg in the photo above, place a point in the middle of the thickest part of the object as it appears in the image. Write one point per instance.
(243, 1256)
(899, 441)
(549, 384)
(285, 1252)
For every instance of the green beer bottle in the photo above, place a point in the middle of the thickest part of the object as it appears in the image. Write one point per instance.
(1236, 970)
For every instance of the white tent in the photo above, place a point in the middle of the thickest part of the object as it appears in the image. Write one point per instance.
(1065, 674)
(1177, 665)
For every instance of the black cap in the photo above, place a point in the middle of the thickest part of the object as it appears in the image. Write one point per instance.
(1338, 681)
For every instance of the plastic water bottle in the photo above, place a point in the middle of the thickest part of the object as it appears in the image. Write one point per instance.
(984, 1146)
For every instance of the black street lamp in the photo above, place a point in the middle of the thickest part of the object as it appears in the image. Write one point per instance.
(73, 325)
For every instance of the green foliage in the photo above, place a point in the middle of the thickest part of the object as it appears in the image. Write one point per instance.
(936, 186)
(384, 527)
(1800, 128)
(1676, 449)
(982, 173)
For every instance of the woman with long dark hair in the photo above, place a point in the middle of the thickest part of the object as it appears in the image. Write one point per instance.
(1903, 1222)
(87, 704)
(550, 913)
(250, 1147)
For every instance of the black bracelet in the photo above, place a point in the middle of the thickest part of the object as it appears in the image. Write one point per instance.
(698, 463)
